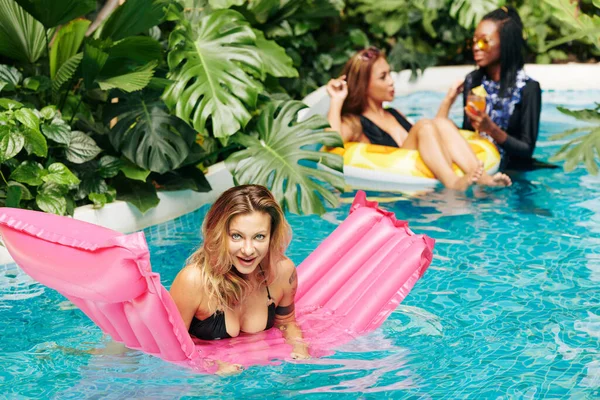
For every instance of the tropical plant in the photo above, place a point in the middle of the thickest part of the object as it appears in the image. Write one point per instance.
(419, 34)
(469, 13)
(216, 70)
(581, 26)
(92, 73)
(585, 147)
(219, 68)
(41, 158)
(277, 150)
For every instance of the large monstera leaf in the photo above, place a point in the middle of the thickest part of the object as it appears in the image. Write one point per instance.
(581, 24)
(147, 135)
(213, 66)
(273, 156)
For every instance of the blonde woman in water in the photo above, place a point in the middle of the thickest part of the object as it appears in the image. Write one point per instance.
(240, 280)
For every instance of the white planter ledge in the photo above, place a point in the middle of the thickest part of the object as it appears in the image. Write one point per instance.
(123, 217)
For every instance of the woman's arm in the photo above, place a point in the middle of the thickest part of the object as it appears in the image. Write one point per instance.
(450, 98)
(186, 293)
(285, 315)
(338, 91)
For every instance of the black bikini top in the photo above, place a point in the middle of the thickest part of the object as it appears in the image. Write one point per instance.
(376, 135)
(214, 327)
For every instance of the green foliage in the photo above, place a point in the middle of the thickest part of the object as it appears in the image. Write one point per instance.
(214, 67)
(134, 17)
(581, 25)
(52, 13)
(469, 13)
(22, 38)
(148, 136)
(130, 82)
(66, 44)
(39, 176)
(10, 78)
(219, 4)
(141, 194)
(68, 133)
(276, 62)
(132, 171)
(585, 146)
(276, 151)
(66, 72)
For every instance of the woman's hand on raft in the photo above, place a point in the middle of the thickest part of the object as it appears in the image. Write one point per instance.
(227, 369)
(479, 119)
(338, 89)
(300, 352)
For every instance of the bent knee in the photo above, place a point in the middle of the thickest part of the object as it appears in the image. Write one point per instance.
(423, 122)
(424, 127)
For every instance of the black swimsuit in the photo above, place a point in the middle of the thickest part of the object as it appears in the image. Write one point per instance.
(214, 327)
(376, 135)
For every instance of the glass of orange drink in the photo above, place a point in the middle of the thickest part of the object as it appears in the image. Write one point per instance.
(476, 99)
(476, 102)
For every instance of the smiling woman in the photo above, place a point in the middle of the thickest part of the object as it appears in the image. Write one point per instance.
(240, 280)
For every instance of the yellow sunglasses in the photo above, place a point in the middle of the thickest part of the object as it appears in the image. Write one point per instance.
(484, 43)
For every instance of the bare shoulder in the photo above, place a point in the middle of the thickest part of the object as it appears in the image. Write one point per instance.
(188, 294)
(188, 279)
(286, 272)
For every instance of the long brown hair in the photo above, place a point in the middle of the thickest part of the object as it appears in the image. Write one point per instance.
(358, 74)
(219, 277)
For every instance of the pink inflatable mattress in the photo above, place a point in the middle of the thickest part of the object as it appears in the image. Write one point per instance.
(347, 287)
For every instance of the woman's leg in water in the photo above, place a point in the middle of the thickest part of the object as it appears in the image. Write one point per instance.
(462, 154)
(424, 137)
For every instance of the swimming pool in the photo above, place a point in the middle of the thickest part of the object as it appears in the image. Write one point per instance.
(509, 306)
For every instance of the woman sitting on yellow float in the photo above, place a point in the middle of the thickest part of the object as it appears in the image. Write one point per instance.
(357, 112)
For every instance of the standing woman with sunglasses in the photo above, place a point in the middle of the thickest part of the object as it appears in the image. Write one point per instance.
(513, 101)
(356, 111)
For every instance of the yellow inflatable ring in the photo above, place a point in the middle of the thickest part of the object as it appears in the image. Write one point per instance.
(382, 167)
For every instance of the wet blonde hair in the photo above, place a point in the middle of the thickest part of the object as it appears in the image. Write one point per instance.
(218, 275)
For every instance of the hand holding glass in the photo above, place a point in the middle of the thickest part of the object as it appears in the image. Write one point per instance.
(476, 103)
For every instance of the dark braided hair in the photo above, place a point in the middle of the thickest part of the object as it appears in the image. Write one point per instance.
(512, 44)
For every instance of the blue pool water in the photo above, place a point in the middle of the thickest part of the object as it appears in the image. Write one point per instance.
(509, 307)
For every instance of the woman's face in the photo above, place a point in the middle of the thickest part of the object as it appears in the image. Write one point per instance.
(486, 44)
(249, 237)
(381, 84)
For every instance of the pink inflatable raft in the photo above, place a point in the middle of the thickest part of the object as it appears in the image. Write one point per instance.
(347, 287)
